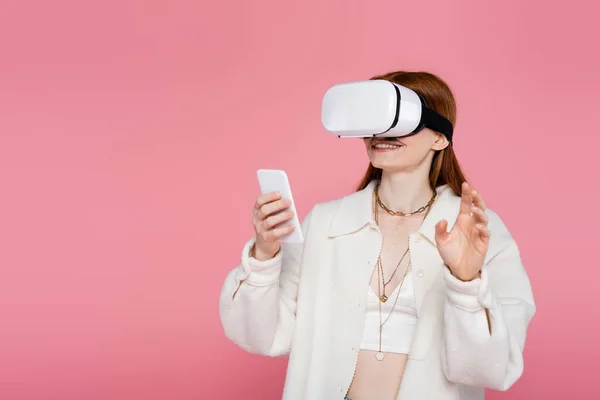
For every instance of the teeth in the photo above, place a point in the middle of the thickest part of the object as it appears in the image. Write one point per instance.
(386, 146)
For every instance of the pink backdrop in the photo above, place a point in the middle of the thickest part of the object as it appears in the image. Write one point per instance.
(130, 133)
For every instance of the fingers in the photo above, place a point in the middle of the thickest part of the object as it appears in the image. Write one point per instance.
(469, 198)
(271, 208)
(481, 223)
(277, 219)
(441, 232)
(479, 215)
(478, 211)
(270, 213)
(483, 230)
(466, 199)
(484, 234)
(266, 198)
(478, 200)
(268, 204)
(273, 235)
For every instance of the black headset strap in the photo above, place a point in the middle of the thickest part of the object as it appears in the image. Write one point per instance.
(434, 121)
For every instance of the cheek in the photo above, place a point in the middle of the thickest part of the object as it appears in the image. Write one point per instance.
(417, 140)
(415, 151)
(419, 144)
(418, 151)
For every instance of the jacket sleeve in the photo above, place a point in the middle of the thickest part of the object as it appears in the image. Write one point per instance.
(258, 299)
(486, 320)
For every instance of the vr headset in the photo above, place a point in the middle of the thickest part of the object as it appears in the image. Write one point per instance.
(378, 108)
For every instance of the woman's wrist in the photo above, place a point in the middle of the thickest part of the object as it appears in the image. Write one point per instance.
(259, 255)
(464, 278)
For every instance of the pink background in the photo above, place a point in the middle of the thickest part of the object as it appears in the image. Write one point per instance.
(130, 133)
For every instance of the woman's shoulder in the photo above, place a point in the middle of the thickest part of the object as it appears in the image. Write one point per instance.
(326, 210)
(344, 214)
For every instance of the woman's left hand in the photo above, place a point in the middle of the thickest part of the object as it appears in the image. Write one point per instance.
(463, 249)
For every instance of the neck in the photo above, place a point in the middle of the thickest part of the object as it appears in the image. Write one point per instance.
(404, 191)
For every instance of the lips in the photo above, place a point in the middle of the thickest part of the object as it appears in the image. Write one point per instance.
(386, 144)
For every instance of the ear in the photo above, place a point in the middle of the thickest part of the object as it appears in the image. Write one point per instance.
(440, 143)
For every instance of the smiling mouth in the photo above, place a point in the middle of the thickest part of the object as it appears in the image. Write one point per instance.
(386, 145)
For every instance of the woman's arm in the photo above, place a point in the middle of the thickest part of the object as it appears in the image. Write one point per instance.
(258, 299)
(486, 319)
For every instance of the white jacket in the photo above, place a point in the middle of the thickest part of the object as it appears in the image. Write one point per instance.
(309, 302)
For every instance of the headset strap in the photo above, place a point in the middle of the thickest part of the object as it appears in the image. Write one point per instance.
(434, 121)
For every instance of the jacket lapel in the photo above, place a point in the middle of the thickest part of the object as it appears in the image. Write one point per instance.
(354, 212)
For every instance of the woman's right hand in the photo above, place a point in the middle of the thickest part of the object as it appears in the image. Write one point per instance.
(270, 212)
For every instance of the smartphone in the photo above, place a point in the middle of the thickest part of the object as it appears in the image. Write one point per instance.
(276, 180)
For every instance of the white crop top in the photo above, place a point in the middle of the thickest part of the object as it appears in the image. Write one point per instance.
(397, 333)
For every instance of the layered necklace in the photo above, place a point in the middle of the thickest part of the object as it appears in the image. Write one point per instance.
(383, 297)
(381, 282)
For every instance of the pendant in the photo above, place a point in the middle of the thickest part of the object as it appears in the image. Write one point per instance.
(383, 298)
(379, 356)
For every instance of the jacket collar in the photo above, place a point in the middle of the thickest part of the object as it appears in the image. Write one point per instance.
(356, 210)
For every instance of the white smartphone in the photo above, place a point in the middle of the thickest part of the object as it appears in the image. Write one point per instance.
(276, 180)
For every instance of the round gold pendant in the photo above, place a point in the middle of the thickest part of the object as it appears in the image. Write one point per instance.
(383, 298)
(379, 356)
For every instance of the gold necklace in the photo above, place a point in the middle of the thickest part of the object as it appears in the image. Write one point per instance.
(400, 213)
(379, 356)
(383, 298)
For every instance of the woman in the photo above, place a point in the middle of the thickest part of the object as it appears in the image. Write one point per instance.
(408, 289)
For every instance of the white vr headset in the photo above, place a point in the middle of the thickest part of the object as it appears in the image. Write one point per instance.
(378, 108)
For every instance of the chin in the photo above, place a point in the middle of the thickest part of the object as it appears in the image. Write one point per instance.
(388, 166)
